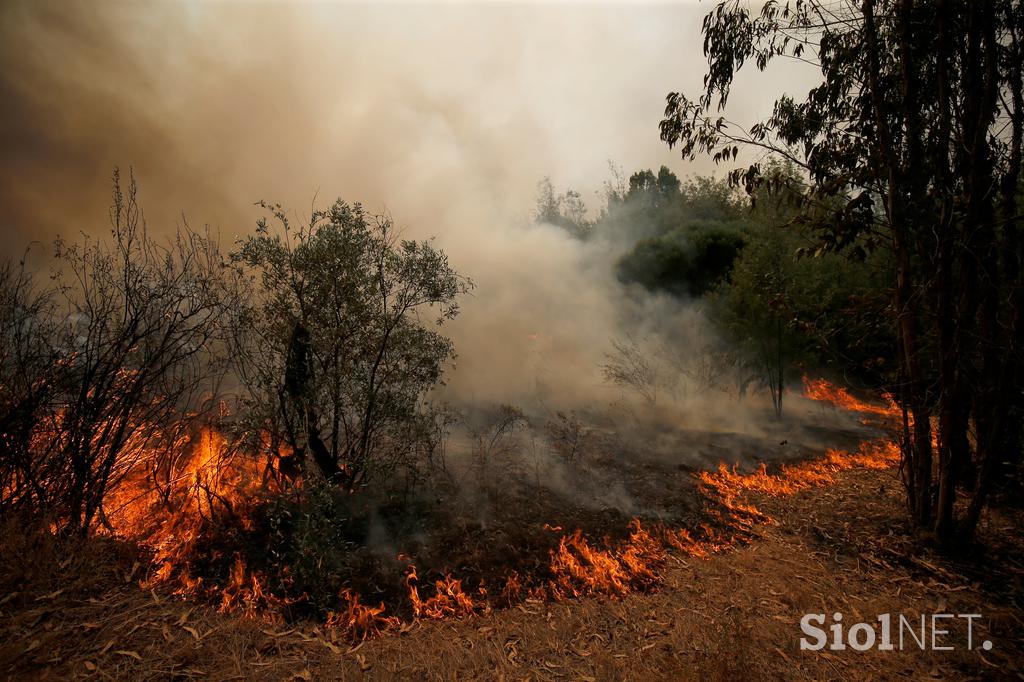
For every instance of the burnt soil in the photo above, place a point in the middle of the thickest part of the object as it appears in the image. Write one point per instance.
(481, 526)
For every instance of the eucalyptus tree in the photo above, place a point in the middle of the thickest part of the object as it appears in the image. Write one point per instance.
(912, 139)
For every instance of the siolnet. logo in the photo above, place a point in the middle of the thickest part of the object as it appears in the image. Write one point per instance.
(929, 632)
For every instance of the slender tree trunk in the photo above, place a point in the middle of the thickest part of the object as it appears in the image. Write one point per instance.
(917, 453)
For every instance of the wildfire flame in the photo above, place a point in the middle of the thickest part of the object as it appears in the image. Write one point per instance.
(580, 569)
(171, 518)
(824, 391)
(727, 485)
(448, 600)
(356, 619)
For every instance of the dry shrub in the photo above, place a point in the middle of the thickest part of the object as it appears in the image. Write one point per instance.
(569, 436)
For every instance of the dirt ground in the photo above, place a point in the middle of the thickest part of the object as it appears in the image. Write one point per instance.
(733, 616)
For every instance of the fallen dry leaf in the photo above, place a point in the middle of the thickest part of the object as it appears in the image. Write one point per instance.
(334, 648)
(51, 595)
(282, 633)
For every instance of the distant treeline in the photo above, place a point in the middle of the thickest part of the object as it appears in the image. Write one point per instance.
(747, 260)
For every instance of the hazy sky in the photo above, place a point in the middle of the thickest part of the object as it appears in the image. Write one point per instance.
(447, 115)
(410, 107)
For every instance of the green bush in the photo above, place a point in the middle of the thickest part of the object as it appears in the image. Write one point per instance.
(309, 545)
(689, 261)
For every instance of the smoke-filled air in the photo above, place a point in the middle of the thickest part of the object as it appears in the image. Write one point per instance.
(501, 340)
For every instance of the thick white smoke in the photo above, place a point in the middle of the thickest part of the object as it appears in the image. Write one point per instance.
(445, 115)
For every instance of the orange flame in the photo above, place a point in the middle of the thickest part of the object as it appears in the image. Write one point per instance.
(357, 620)
(513, 588)
(822, 390)
(245, 593)
(726, 485)
(448, 600)
(581, 569)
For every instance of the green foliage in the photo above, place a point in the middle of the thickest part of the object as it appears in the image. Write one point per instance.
(810, 296)
(307, 550)
(912, 139)
(783, 308)
(777, 306)
(682, 262)
(688, 234)
(656, 205)
(566, 210)
(340, 343)
(684, 236)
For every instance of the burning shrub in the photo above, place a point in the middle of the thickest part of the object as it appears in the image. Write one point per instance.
(28, 384)
(106, 369)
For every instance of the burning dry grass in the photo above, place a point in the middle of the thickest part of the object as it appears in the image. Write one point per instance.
(186, 526)
(580, 569)
(449, 599)
(357, 620)
(734, 616)
(825, 391)
(122, 634)
(730, 487)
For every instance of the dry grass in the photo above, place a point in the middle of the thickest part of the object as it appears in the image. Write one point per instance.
(733, 616)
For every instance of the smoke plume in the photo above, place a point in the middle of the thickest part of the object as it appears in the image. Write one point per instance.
(444, 115)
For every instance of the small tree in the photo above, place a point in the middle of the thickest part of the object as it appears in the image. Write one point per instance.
(754, 310)
(338, 346)
(782, 307)
(631, 367)
(569, 436)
